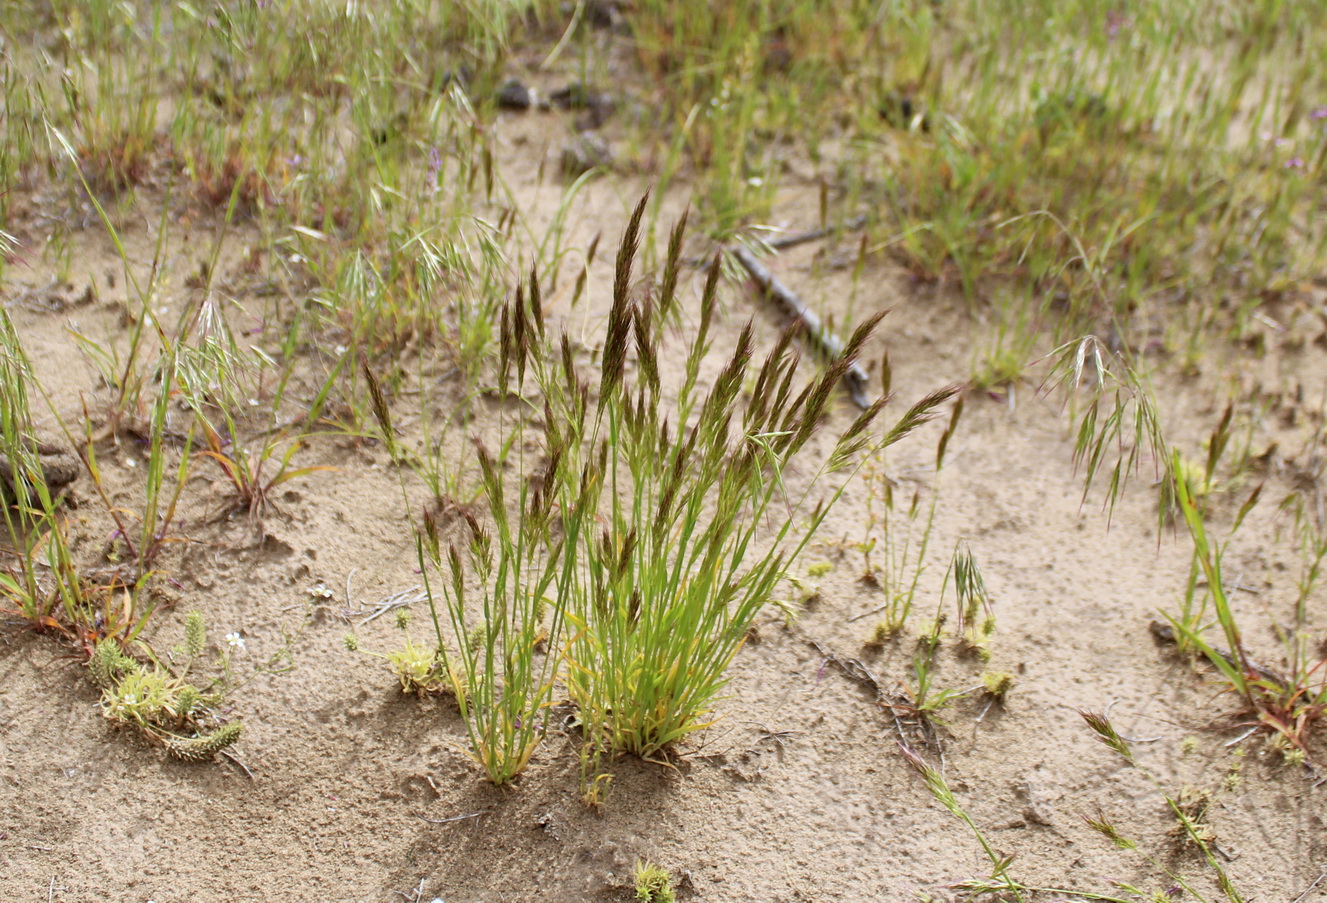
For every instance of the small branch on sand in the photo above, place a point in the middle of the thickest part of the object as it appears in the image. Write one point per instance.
(825, 342)
(800, 238)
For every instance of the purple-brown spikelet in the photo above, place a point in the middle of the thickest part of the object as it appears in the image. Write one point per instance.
(672, 266)
(536, 302)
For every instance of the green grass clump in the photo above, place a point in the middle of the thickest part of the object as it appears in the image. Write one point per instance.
(1285, 704)
(684, 483)
(499, 632)
(633, 561)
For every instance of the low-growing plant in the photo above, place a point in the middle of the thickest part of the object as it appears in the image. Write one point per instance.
(124, 370)
(1284, 704)
(924, 699)
(420, 669)
(976, 624)
(1187, 811)
(652, 883)
(221, 385)
(976, 618)
(1116, 425)
(894, 552)
(152, 698)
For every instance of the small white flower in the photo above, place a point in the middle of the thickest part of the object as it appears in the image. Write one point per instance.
(236, 641)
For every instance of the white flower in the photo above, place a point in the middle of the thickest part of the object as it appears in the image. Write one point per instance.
(236, 641)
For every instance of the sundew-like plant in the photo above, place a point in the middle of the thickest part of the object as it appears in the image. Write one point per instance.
(696, 520)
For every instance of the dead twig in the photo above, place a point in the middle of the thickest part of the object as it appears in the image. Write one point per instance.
(800, 238)
(400, 599)
(851, 667)
(443, 821)
(1309, 889)
(778, 737)
(825, 342)
(416, 896)
(235, 760)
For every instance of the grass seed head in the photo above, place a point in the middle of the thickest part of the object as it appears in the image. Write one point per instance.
(853, 349)
(380, 410)
(505, 348)
(521, 334)
(1107, 734)
(1103, 826)
(568, 371)
(626, 255)
(109, 664)
(949, 432)
(205, 748)
(195, 634)
(646, 355)
(536, 302)
(430, 534)
(614, 358)
(709, 297)
(672, 266)
(920, 413)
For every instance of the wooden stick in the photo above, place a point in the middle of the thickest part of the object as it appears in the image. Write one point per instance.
(825, 342)
(801, 238)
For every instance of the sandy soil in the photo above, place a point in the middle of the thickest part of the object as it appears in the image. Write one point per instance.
(798, 793)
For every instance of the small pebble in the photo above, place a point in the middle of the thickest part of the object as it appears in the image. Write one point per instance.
(585, 152)
(514, 96)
